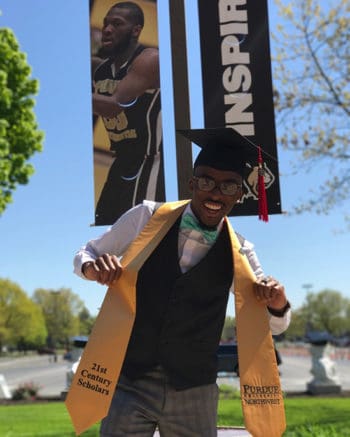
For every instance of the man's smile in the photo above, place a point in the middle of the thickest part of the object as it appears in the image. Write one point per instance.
(213, 206)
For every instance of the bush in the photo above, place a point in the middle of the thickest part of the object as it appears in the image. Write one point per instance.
(228, 392)
(26, 391)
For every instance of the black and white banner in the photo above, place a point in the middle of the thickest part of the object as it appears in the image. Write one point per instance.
(237, 84)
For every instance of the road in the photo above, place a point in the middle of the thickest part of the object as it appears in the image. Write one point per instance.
(295, 372)
(41, 370)
(51, 376)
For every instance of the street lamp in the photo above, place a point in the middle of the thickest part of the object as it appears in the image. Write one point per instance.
(307, 287)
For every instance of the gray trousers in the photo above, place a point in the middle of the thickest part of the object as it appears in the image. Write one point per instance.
(140, 406)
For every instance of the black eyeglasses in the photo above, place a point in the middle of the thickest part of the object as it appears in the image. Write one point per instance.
(204, 183)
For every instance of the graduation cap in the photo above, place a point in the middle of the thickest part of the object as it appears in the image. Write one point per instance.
(226, 149)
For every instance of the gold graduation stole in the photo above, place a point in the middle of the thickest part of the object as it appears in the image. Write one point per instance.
(95, 380)
(261, 394)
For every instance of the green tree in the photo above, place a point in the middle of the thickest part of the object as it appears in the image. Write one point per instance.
(19, 134)
(86, 321)
(312, 94)
(21, 320)
(328, 311)
(61, 309)
(229, 331)
(297, 327)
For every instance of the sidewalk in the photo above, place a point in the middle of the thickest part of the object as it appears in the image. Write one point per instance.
(226, 432)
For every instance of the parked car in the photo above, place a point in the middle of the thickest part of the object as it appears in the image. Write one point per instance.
(228, 358)
(74, 355)
(46, 351)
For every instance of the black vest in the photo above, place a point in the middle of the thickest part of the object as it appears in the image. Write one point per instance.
(180, 316)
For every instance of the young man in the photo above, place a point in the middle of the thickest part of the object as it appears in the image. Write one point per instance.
(168, 377)
(127, 97)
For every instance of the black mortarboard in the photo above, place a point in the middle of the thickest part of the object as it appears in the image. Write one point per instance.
(226, 149)
(223, 149)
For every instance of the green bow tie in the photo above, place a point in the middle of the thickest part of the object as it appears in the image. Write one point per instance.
(190, 222)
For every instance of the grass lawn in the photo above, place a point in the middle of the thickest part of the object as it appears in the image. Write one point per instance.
(306, 417)
(38, 420)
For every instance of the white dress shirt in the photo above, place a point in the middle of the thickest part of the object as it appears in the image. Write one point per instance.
(191, 248)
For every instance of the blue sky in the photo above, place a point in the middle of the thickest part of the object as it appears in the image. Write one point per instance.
(50, 217)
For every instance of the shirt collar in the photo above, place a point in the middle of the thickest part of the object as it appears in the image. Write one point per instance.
(188, 210)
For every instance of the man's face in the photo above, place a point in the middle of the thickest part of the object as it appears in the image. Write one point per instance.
(211, 206)
(118, 30)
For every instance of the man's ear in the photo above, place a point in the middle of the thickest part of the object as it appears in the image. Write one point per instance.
(190, 185)
(136, 30)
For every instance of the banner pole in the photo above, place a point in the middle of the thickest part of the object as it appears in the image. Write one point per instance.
(181, 95)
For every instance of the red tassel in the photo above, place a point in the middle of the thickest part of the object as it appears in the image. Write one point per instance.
(262, 200)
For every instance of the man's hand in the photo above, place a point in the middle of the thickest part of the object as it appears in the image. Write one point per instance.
(271, 293)
(105, 269)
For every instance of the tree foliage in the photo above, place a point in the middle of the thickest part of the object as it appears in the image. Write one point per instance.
(327, 311)
(297, 327)
(229, 330)
(22, 323)
(62, 311)
(19, 134)
(312, 93)
(86, 321)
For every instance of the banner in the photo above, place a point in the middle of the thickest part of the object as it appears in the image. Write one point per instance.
(127, 128)
(237, 85)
